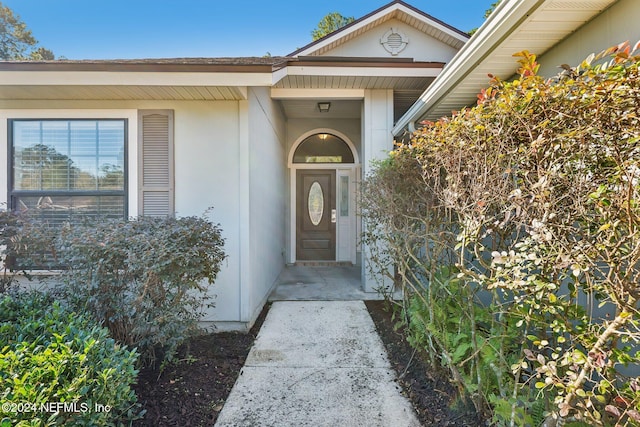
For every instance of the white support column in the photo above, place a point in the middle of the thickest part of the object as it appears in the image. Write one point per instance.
(377, 142)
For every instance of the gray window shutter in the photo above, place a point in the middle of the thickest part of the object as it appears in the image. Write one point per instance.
(156, 181)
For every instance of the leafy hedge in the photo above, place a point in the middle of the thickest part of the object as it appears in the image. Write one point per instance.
(146, 280)
(515, 228)
(51, 356)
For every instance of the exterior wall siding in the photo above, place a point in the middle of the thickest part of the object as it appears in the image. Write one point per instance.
(615, 25)
(206, 167)
(267, 199)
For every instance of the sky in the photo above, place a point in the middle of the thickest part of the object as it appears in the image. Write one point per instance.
(130, 29)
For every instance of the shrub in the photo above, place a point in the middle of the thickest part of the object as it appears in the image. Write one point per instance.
(146, 280)
(51, 356)
(520, 218)
(26, 242)
(8, 225)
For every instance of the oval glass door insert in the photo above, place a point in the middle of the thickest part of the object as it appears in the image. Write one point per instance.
(315, 203)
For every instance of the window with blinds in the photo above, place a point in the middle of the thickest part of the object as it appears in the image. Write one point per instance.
(68, 170)
(156, 194)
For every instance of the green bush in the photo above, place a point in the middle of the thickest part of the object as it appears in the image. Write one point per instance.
(51, 357)
(146, 280)
(8, 226)
(520, 219)
(26, 243)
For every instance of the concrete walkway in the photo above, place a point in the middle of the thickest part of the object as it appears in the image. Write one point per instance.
(317, 363)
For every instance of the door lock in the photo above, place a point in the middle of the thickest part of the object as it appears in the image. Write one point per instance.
(333, 216)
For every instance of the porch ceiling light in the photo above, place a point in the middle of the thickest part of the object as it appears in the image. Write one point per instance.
(324, 107)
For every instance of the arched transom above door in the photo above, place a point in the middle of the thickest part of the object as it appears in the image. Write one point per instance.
(323, 148)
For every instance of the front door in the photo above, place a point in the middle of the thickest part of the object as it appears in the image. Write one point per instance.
(316, 215)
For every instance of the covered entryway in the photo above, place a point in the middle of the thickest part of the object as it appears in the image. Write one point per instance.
(323, 169)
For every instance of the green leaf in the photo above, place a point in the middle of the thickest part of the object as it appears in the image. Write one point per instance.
(460, 352)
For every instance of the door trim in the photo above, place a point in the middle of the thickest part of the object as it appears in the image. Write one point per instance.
(350, 169)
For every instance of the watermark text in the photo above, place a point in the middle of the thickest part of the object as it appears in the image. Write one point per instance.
(53, 407)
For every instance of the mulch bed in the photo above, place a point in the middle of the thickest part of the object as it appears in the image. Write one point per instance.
(192, 391)
(430, 391)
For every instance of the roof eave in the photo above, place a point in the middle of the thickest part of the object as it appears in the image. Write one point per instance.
(509, 22)
(356, 68)
(504, 19)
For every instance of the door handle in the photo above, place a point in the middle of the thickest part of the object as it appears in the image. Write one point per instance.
(333, 216)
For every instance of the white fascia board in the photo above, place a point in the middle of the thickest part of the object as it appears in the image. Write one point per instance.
(362, 71)
(280, 93)
(73, 78)
(501, 23)
(278, 75)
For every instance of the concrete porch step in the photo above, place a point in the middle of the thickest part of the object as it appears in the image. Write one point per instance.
(323, 264)
(322, 283)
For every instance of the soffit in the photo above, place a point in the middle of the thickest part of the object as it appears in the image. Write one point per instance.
(308, 109)
(536, 28)
(354, 73)
(129, 92)
(403, 99)
(342, 108)
(353, 82)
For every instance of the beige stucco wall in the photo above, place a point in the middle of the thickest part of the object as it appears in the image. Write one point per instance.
(267, 199)
(207, 159)
(617, 24)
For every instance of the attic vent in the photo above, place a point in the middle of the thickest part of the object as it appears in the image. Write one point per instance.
(394, 41)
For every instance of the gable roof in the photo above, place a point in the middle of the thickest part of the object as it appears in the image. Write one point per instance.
(515, 25)
(397, 9)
